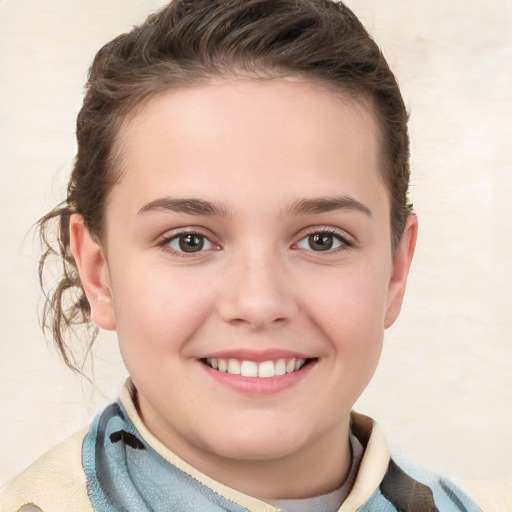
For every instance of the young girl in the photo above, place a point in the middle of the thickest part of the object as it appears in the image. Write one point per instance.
(238, 214)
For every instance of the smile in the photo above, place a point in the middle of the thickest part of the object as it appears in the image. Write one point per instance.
(264, 369)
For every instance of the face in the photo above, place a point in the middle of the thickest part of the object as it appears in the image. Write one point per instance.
(247, 266)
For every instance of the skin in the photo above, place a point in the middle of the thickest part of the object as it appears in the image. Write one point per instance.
(254, 150)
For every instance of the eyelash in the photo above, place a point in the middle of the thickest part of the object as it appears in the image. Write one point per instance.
(344, 242)
(165, 243)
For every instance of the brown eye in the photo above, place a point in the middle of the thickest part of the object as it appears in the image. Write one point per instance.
(321, 241)
(189, 243)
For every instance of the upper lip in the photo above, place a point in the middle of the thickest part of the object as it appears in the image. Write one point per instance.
(258, 356)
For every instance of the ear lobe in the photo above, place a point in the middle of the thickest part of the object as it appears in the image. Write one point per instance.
(93, 270)
(401, 264)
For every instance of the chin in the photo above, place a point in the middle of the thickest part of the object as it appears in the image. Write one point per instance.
(260, 444)
(258, 452)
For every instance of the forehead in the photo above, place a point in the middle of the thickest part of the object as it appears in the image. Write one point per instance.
(288, 135)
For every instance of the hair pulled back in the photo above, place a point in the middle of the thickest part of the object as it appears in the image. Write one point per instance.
(190, 42)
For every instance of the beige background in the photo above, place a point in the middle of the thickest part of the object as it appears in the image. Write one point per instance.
(443, 392)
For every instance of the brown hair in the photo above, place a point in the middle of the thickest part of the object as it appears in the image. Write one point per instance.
(190, 42)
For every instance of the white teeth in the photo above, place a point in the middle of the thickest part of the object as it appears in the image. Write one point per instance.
(280, 367)
(266, 369)
(263, 370)
(234, 367)
(249, 369)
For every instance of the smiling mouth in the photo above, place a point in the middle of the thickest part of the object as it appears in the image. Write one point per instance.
(265, 369)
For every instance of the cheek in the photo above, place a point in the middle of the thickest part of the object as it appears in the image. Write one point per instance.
(355, 297)
(350, 308)
(159, 309)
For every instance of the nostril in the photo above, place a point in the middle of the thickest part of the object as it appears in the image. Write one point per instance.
(257, 304)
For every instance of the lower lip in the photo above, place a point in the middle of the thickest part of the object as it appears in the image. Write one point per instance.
(259, 386)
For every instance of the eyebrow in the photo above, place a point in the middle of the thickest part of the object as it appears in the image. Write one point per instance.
(327, 204)
(193, 206)
(189, 205)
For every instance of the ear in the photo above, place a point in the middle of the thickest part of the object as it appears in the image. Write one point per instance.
(93, 270)
(401, 263)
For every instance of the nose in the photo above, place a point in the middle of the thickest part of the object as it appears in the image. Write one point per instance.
(258, 294)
